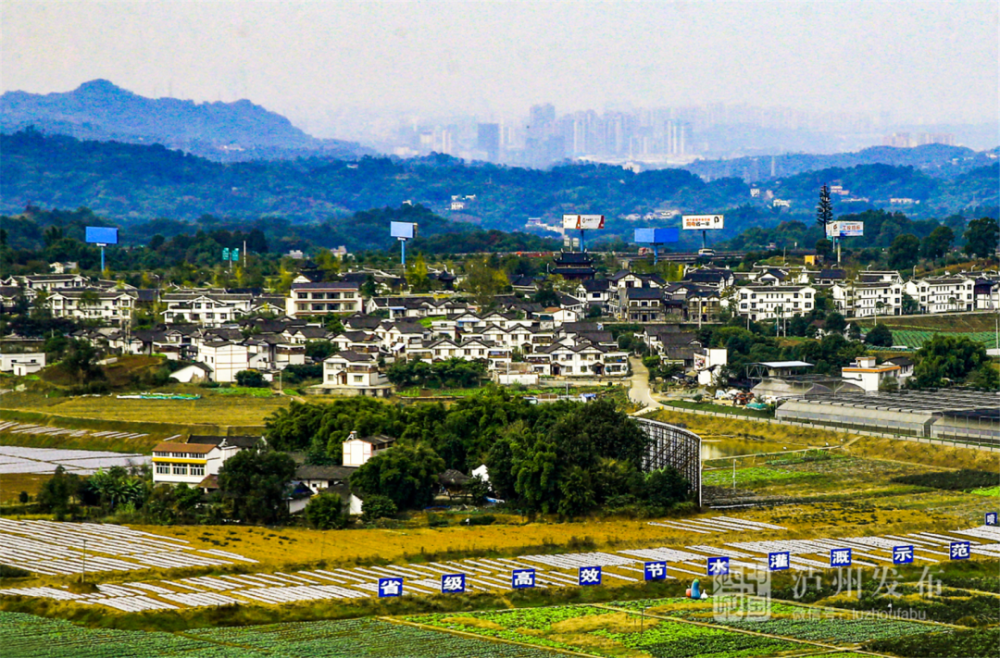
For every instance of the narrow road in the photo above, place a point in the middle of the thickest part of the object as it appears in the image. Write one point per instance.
(638, 392)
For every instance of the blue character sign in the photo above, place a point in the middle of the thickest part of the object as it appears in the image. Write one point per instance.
(453, 583)
(522, 578)
(779, 561)
(960, 550)
(840, 557)
(590, 576)
(718, 566)
(390, 587)
(902, 555)
(656, 570)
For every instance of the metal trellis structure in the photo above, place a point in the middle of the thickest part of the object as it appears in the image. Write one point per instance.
(673, 446)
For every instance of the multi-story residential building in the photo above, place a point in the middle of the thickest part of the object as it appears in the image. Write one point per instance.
(224, 358)
(353, 373)
(864, 298)
(306, 299)
(987, 294)
(199, 459)
(704, 305)
(711, 277)
(214, 307)
(49, 282)
(943, 294)
(111, 306)
(358, 450)
(772, 302)
(869, 376)
(641, 305)
(586, 360)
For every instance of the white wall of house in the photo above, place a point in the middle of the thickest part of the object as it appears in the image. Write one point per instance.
(771, 302)
(22, 363)
(225, 360)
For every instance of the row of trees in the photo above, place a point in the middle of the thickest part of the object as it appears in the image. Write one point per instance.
(565, 458)
(451, 373)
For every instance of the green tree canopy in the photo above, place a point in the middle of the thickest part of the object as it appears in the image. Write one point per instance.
(879, 336)
(253, 483)
(947, 359)
(406, 474)
(938, 242)
(326, 511)
(904, 251)
(982, 237)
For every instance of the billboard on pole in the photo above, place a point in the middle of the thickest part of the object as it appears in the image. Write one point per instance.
(656, 235)
(405, 230)
(702, 222)
(101, 235)
(845, 229)
(583, 222)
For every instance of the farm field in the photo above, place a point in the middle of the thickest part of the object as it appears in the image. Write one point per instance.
(211, 409)
(657, 628)
(27, 636)
(915, 338)
(664, 629)
(960, 323)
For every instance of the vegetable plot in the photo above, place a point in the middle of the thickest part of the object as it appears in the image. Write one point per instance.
(609, 633)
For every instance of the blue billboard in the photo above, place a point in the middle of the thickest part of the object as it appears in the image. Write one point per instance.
(656, 235)
(101, 235)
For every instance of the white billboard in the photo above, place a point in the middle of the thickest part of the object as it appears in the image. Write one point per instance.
(583, 222)
(702, 222)
(845, 229)
(404, 230)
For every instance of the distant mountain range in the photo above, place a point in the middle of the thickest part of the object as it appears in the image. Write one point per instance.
(135, 183)
(100, 110)
(938, 160)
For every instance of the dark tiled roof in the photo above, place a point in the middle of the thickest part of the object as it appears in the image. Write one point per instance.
(313, 472)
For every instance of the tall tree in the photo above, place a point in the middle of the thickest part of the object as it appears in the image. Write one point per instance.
(483, 281)
(982, 237)
(416, 275)
(938, 242)
(904, 251)
(407, 474)
(254, 481)
(824, 209)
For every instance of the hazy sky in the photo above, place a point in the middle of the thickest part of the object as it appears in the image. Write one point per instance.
(920, 61)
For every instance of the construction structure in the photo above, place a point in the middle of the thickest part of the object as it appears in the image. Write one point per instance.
(670, 445)
(963, 415)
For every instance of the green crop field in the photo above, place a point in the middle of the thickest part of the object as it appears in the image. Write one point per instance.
(604, 632)
(792, 621)
(27, 636)
(914, 338)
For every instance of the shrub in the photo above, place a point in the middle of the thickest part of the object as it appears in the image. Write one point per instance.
(251, 379)
(326, 512)
(377, 507)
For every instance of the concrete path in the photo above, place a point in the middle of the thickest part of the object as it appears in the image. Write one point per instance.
(639, 388)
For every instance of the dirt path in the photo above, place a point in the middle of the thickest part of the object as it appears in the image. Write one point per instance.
(639, 388)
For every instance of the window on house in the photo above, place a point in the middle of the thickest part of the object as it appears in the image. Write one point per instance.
(163, 469)
(197, 469)
(180, 469)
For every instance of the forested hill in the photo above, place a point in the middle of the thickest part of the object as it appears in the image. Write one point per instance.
(133, 182)
(936, 160)
(101, 111)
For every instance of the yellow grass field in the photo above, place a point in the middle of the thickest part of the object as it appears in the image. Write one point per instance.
(209, 410)
(279, 548)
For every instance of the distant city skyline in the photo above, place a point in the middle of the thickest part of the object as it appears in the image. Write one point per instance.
(915, 62)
